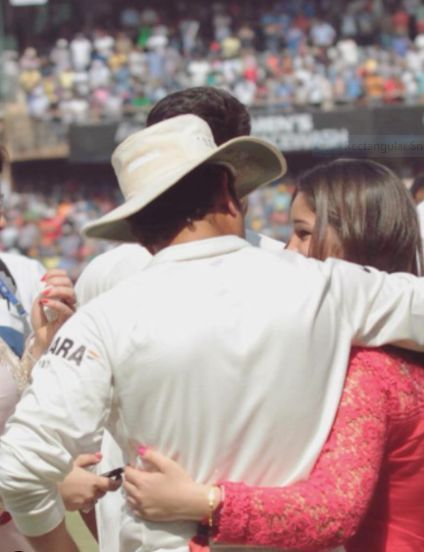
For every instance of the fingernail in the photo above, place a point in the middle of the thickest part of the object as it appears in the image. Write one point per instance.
(43, 278)
(43, 301)
(98, 455)
(142, 450)
(47, 291)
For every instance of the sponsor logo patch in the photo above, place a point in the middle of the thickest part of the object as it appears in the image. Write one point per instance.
(67, 348)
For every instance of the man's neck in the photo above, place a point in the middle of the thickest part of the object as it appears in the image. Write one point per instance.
(198, 230)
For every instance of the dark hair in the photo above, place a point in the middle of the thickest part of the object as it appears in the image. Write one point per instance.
(417, 185)
(191, 199)
(370, 210)
(226, 116)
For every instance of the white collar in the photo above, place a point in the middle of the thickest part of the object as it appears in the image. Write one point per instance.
(210, 247)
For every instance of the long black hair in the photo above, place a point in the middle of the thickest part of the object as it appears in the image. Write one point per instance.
(370, 211)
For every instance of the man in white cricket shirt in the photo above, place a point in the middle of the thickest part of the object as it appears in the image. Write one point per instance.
(227, 118)
(218, 353)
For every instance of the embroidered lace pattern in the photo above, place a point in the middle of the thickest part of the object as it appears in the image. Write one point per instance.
(325, 510)
(19, 368)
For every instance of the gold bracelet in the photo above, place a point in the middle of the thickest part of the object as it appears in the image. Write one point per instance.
(212, 504)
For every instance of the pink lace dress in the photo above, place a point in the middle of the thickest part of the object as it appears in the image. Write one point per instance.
(368, 481)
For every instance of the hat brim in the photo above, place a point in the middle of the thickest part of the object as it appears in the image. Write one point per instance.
(254, 163)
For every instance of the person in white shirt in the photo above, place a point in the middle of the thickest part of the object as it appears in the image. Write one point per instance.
(103, 43)
(322, 34)
(217, 353)
(81, 50)
(228, 118)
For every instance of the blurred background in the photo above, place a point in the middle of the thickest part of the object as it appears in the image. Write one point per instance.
(321, 79)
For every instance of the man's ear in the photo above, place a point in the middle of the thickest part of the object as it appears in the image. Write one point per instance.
(232, 202)
(233, 208)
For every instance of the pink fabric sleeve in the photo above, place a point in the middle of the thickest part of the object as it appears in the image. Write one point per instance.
(325, 510)
(9, 393)
(15, 375)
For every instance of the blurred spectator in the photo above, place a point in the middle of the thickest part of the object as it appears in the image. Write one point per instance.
(10, 84)
(61, 56)
(103, 44)
(81, 50)
(322, 34)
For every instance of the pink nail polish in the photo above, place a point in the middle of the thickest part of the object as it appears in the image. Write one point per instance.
(43, 278)
(142, 450)
(46, 291)
(99, 455)
(43, 301)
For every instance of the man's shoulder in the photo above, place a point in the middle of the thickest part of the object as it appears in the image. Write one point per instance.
(23, 268)
(20, 261)
(109, 259)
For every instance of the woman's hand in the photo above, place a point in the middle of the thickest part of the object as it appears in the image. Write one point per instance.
(81, 489)
(59, 297)
(167, 494)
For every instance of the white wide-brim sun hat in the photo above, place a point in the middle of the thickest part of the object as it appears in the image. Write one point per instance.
(151, 161)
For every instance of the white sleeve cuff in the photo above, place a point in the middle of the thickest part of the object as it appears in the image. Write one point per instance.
(40, 522)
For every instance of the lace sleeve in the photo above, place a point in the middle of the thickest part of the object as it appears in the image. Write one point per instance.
(20, 369)
(15, 375)
(325, 510)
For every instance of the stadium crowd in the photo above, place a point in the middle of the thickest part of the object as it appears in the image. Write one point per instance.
(48, 229)
(291, 53)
